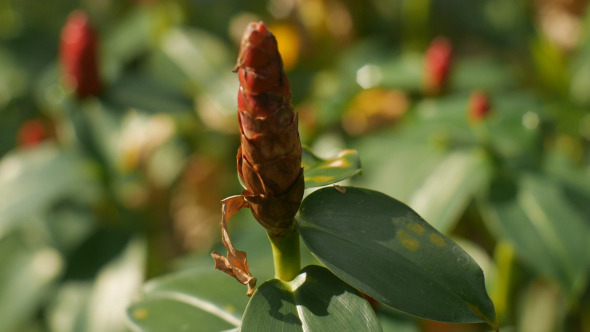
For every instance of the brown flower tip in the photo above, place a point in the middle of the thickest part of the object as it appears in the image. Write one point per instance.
(438, 62)
(269, 159)
(479, 106)
(79, 56)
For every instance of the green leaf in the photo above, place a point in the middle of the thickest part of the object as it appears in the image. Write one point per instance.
(99, 304)
(68, 309)
(116, 285)
(401, 170)
(461, 174)
(199, 299)
(383, 248)
(29, 271)
(198, 53)
(147, 93)
(206, 63)
(31, 180)
(403, 72)
(548, 231)
(315, 300)
(481, 73)
(320, 172)
(395, 321)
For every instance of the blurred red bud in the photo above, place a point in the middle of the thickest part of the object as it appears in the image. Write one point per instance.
(78, 56)
(32, 132)
(479, 106)
(438, 62)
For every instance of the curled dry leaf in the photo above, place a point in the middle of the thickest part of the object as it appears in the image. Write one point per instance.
(236, 263)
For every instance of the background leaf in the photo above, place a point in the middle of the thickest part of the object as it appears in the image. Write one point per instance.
(449, 188)
(315, 300)
(383, 248)
(321, 172)
(198, 299)
(523, 211)
(28, 272)
(31, 180)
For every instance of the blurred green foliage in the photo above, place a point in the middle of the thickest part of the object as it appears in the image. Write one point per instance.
(126, 186)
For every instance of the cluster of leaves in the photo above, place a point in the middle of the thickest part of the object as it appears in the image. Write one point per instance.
(370, 240)
(124, 183)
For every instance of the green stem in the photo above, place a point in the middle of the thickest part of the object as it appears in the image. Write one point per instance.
(286, 255)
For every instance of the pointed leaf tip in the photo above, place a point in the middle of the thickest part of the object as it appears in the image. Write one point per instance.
(383, 248)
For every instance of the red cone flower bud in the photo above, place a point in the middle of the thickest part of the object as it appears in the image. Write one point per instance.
(79, 56)
(479, 106)
(269, 159)
(438, 62)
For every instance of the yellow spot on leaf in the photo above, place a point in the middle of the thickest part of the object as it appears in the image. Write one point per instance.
(475, 309)
(230, 308)
(338, 163)
(140, 313)
(320, 178)
(416, 228)
(407, 240)
(437, 240)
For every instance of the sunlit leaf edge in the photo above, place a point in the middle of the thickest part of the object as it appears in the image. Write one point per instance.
(316, 169)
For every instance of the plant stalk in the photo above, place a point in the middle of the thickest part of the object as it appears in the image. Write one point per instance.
(286, 255)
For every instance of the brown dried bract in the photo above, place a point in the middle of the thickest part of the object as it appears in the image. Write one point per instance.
(236, 263)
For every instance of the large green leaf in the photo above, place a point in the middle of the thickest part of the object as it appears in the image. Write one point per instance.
(199, 299)
(382, 247)
(315, 300)
(548, 231)
(320, 172)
